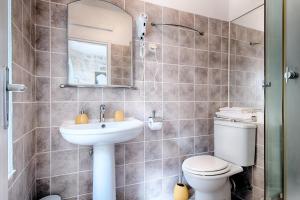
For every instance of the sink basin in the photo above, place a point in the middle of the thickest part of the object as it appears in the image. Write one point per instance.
(102, 136)
(96, 133)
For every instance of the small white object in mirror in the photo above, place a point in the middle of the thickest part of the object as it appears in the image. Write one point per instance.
(155, 123)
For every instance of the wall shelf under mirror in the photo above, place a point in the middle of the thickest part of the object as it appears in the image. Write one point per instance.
(96, 86)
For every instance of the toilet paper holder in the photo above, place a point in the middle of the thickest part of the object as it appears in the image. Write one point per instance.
(155, 123)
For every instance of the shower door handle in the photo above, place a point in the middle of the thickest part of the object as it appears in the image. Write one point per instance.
(290, 74)
(6, 88)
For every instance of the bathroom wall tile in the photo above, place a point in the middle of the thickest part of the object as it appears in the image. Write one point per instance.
(62, 109)
(153, 71)
(170, 35)
(85, 159)
(215, 26)
(120, 193)
(186, 56)
(58, 142)
(201, 127)
(85, 197)
(59, 65)
(120, 154)
(187, 110)
(85, 182)
(153, 170)
(16, 9)
(59, 183)
(170, 15)
(215, 43)
(42, 13)
(214, 60)
(170, 55)
(42, 63)
(29, 147)
(134, 7)
(63, 162)
(186, 92)
(42, 187)
(154, 12)
(170, 129)
(201, 144)
(136, 191)
(258, 177)
(153, 150)
(89, 94)
(58, 15)
(171, 167)
(213, 107)
(43, 117)
(186, 74)
(201, 75)
(214, 76)
(110, 94)
(134, 152)
(186, 38)
(186, 19)
(201, 110)
(201, 23)
(170, 92)
(171, 110)
(18, 115)
(186, 146)
(201, 92)
(153, 91)
(42, 140)
(186, 128)
(42, 40)
(134, 173)
(135, 109)
(224, 45)
(201, 58)
(201, 42)
(170, 73)
(170, 148)
(120, 176)
(58, 40)
(43, 165)
(42, 89)
(225, 29)
(18, 156)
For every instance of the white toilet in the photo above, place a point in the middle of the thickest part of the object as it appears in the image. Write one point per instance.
(234, 148)
(51, 197)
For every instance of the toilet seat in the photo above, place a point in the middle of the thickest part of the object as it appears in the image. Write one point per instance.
(206, 165)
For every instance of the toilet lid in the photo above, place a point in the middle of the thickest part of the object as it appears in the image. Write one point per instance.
(206, 165)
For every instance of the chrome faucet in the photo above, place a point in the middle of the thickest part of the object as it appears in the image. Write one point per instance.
(102, 111)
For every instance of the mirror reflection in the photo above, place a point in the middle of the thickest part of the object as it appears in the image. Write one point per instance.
(99, 50)
(246, 72)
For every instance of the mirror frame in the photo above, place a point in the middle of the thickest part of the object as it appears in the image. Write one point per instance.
(131, 86)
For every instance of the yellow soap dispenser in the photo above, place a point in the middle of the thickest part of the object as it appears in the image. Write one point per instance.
(82, 118)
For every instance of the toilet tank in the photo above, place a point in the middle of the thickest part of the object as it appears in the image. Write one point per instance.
(235, 142)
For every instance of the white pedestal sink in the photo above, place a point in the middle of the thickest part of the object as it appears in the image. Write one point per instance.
(102, 136)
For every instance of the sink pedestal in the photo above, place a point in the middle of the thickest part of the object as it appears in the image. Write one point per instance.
(104, 184)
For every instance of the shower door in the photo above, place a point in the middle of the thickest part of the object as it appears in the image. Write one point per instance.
(3, 130)
(292, 100)
(273, 100)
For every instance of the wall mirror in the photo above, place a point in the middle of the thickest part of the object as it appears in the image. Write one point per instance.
(99, 45)
(246, 73)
